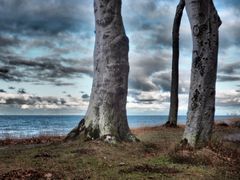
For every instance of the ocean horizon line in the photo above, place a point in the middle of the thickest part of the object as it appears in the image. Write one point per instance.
(84, 115)
(35, 125)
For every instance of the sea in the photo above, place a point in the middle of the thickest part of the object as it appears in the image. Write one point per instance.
(32, 126)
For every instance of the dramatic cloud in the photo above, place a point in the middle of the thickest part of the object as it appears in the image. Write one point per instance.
(22, 91)
(85, 96)
(46, 43)
(224, 78)
(163, 80)
(9, 41)
(233, 68)
(11, 88)
(50, 45)
(2, 91)
(43, 69)
(27, 101)
(143, 69)
(148, 102)
(229, 72)
(228, 99)
(149, 30)
(229, 30)
(39, 17)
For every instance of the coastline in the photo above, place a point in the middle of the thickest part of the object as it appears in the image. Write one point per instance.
(43, 139)
(156, 156)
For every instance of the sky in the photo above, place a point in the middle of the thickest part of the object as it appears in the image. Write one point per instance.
(46, 56)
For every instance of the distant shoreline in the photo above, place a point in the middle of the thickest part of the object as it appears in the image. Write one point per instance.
(237, 116)
(22, 127)
(231, 123)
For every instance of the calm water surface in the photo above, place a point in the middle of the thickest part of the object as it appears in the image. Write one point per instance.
(28, 126)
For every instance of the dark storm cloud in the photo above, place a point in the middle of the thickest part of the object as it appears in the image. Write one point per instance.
(2, 91)
(8, 41)
(229, 11)
(42, 42)
(64, 84)
(22, 91)
(11, 87)
(41, 17)
(33, 100)
(145, 101)
(138, 98)
(6, 75)
(52, 26)
(230, 34)
(155, 37)
(153, 28)
(143, 97)
(56, 67)
(233, 102)
(4, 70)
(85, 96)
(230, 68)
(133, 92)
(143, 68)
(163, 81)
(229, 72)
(225, 78)
(150, 33)
(142, 83)
(150, 22)
(43, 69)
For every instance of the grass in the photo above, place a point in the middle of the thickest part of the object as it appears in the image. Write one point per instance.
(157, 156)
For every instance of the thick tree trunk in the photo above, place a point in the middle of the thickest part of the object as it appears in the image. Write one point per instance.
(106, 115)
(205, 22)
(173, 113)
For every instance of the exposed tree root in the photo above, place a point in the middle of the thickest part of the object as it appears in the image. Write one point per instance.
(73, 134)
(170, 124)
(91, 134)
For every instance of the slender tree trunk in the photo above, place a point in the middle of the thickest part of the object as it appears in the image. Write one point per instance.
(106, 115)
(205, 22)
(173, 113)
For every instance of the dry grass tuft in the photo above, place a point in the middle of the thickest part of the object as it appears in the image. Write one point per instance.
(145, 168)
(30, 174)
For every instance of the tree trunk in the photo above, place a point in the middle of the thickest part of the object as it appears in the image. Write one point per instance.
(205, 22)
(106, 115)
(173, 113)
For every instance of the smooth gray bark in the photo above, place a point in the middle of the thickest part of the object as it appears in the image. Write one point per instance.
(205, 22)
(106, 115)
(173, 113)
